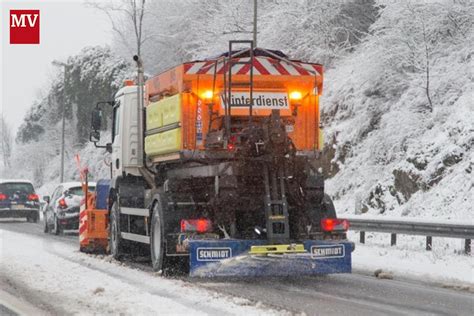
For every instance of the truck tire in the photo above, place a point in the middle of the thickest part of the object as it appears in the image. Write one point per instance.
(157, 245)
(117, 244)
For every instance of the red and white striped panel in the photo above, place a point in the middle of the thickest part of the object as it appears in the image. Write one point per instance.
(83, 225)
(261, 66)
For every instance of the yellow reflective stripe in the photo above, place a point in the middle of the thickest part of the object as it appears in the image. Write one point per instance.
(268, 249)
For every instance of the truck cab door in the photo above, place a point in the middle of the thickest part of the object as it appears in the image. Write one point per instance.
(117, 140)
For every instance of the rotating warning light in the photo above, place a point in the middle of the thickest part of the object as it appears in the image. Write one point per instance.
(295, 95)
(128, 83)
(207, 94)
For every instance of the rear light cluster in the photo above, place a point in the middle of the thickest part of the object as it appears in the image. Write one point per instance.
(232, 142)
(334, 224)
(30, 197)
(62, 203)
(201, 225)
(33, 197)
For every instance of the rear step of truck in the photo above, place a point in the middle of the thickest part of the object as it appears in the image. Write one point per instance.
(276, 206)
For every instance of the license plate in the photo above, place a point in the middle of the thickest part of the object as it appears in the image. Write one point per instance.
(18, 207)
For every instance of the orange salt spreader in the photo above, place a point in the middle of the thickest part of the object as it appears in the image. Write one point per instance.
(93, 223)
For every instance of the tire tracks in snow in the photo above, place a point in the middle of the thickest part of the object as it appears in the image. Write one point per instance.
(149, 288)
(32, 302)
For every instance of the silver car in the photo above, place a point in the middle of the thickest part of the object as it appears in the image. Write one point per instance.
(62, 209)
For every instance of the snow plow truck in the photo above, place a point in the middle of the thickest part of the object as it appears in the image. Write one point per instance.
(211, 165)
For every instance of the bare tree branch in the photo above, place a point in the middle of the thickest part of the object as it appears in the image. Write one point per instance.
(122, 11)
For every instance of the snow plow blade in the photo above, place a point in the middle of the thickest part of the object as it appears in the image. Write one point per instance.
(249, 258)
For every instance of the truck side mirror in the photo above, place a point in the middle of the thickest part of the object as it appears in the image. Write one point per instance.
(46, 198)
(96, 120)
(94, 136)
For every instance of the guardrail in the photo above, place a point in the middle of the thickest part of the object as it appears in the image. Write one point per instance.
(429, 230)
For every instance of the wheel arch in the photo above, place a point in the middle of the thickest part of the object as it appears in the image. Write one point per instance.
(113, 190)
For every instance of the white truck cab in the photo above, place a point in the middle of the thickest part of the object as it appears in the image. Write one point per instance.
(126, 158)
(125, 149)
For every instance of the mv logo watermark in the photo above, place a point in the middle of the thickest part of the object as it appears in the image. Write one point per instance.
(24, 26)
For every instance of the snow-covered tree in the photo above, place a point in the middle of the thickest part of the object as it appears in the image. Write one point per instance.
(7, 142)
(93, 75)
(127, 18)
(178, 31)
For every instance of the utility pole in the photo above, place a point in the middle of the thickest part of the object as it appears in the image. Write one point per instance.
(61, 64)
(254, 23)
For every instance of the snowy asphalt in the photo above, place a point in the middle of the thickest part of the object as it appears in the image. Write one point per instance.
(354, 294)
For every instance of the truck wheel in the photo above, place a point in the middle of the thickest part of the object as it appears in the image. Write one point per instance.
(116, 241)
(157, 237)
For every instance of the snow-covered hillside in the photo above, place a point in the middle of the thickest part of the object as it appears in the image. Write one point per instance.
(92, 75)
(399, 152)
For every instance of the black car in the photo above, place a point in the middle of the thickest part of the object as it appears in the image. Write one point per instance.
(62, 209)
(19, 200)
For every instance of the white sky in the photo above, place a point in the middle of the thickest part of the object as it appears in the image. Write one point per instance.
(65, 28)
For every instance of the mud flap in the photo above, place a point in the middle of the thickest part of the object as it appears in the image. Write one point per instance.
(212, 258)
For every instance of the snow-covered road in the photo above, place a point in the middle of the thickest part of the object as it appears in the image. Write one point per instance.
(49, 273)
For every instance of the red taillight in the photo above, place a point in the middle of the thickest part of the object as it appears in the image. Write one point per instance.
(33, 197)
(201, 225)
(62, 203)
(231, 144)
(3, 197)
(334, 224)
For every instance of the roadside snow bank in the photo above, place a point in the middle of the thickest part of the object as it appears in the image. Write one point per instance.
(408, 258)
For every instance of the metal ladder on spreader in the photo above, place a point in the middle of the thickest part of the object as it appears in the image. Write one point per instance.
(276, 205)
(231, 86)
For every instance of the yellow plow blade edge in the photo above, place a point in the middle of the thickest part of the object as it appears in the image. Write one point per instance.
(276, 249)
